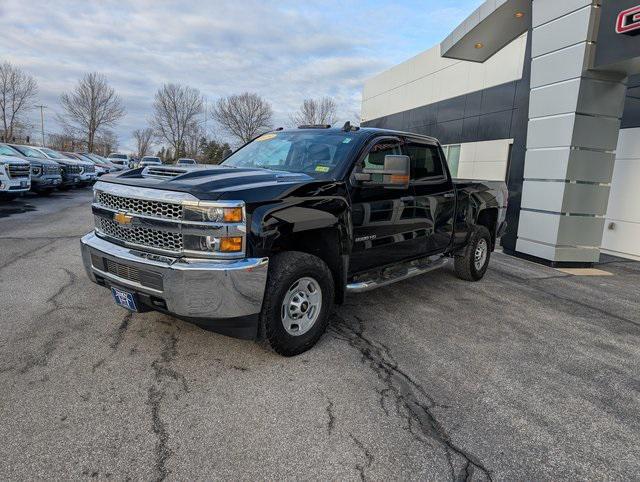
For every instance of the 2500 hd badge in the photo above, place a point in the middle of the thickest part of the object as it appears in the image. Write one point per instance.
(264, 245)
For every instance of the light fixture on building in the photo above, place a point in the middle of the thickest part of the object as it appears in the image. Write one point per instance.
(518, 14)
(479, 45)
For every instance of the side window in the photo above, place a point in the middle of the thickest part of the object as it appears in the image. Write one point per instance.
(375, 157)
(425, 161)
(452, 154)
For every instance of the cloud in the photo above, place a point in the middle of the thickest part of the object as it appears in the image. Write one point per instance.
(285, 51)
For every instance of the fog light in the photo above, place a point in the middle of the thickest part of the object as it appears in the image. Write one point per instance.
(231, 245)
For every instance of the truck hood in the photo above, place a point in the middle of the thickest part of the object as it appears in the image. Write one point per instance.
(217, 182)
(38, 162)
(4, 159)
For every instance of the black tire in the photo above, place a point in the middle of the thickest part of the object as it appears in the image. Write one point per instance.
(64, 188)
(465, 260)
(285, 270)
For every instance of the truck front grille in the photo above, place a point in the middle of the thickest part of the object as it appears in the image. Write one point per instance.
(89, 168)
(50, 170)
(139, 206)
(123, 271)
(18, 170)
(152, 238)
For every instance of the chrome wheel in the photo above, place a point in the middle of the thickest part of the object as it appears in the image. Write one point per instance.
(301, 306)
(480, 255)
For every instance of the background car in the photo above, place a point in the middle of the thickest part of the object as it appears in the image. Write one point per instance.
(124, 160)
(103, 161)
(186, 161)
(100, 169)
(150, 161)
(45, 173)
(73, 171)
(15, 174)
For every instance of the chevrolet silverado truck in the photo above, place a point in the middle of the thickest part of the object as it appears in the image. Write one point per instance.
(263, 245)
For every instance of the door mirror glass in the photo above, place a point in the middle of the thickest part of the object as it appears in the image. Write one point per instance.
(394, 174)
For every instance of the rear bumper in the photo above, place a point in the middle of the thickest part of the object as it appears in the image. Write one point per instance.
(223, 295)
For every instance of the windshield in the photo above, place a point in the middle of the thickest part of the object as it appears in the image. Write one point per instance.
(7, 151)
(152, 159)
(53, 154)
(118, 156)
(313, 152)
(95, 157)
(27, 151)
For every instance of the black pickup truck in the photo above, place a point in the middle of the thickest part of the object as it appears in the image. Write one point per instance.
(263, 245)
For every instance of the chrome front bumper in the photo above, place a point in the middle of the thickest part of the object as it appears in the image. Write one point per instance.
(185, 287)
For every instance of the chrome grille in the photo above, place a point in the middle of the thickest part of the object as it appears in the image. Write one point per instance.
(18, 170)
(141, 236)
(123, 271)
(89, 168)
(48, 169)
(69, 169)
(140, 206)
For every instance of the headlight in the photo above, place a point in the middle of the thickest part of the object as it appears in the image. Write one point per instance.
(36, 171)
(213, 244)
(213, 214)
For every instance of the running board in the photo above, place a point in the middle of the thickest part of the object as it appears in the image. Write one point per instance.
(411, 271)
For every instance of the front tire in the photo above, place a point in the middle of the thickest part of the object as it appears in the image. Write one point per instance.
(472, 262)
(297, 302)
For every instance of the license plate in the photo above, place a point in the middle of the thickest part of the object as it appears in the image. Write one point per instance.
(23, 183)
(124, 298)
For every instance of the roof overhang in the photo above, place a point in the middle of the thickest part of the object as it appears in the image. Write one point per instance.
(487, 30)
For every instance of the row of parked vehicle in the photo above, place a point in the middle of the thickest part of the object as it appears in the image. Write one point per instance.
(42, 170)
(129, 162)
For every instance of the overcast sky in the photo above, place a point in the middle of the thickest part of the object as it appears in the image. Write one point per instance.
(285, 51)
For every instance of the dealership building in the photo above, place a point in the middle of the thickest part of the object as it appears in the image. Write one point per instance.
(544, 94)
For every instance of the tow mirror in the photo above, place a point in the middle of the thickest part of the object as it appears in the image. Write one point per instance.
(395, 173)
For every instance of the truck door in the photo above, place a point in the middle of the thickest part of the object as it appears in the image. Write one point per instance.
(434, 192)
(384, 218)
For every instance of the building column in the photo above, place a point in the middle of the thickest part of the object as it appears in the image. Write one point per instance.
(574, 122)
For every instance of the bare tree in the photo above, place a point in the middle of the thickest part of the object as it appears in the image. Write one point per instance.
(316, 112)
(143, 141)
(195, 134)
(105, 142)
(93, 105)
(243, 116)
(17, 91)
(175, 109)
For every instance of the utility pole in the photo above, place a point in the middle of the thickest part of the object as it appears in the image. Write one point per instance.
(42, 108)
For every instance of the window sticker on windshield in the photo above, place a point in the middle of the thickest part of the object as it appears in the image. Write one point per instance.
(322, 169)
(346, 140)
(266, 137)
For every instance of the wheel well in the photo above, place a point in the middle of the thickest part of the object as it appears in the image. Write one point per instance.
(489, 219)
(325, 244)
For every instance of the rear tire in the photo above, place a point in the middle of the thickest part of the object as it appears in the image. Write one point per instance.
(297, 302)
(472, 262)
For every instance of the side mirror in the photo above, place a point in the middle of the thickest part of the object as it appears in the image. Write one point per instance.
(395, 173)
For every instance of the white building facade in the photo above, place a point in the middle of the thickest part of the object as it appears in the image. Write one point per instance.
(540, 94)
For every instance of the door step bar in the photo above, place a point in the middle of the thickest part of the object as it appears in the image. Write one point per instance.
(400, 273)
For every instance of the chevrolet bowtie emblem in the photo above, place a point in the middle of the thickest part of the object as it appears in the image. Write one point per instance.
(122, 218)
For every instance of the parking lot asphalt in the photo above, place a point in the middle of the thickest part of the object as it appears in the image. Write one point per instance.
(531, 373)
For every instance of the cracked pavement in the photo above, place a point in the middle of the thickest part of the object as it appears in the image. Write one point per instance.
(528, 374)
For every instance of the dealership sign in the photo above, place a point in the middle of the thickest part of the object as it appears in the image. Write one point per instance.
(628, 21)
